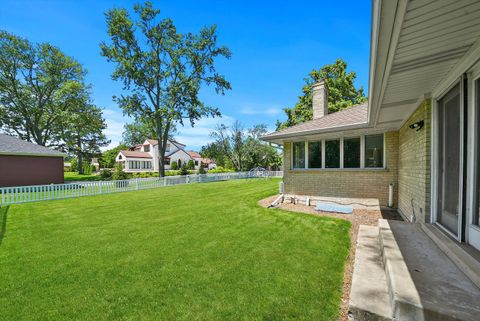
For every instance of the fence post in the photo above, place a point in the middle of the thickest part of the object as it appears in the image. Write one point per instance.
(136, 183)
(187, 179)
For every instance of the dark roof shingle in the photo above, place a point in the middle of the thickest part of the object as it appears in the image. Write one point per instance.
(10, 145)
(355, 115)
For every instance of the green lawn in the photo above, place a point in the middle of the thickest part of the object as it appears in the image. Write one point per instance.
(74, 176)
(187, 252)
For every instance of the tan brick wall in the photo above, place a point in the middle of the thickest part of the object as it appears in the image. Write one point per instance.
(414, 165)
(360, 183)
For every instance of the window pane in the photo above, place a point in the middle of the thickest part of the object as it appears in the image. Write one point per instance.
(299, 155)
(374, 151)
(351, 153)
(315, 155)
(332, 153)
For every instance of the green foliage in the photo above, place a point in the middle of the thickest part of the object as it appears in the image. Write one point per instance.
(183, 170)
(136, 132)
(106, 174)
(201, 169)
(42, 93)
(108, 157)
(87, 168)
(173, 165)
(119, 173)
(244, 150)
(342, 93)
(191, 164)
(162, 71)
(221, 169)
(74, 163)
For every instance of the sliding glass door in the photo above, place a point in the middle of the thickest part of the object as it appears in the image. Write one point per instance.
(449, 160)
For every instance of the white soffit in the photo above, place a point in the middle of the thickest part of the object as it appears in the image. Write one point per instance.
(434, 37)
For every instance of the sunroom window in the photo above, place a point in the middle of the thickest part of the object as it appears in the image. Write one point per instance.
(315, 154)
(351, 152)
(299, 155)
(374, 151)
(332, 153)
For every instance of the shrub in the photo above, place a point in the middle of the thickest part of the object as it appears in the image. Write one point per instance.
(119, 174)
(183, 170)
(106, 175)
(221, 169)
(201, 169)
(74, 165)
(174, 165)
(191, 164)
(87, 168)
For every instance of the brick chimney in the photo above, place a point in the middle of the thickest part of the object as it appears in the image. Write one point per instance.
(320, 99)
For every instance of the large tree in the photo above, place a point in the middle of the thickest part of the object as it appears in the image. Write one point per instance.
(162, 70)
(82, 130)
(32, 77)
(342, 93)
(243, 149)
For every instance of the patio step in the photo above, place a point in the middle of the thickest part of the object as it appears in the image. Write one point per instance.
(369, 298)
(423, 283)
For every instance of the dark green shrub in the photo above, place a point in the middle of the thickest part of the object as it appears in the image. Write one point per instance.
(201, 169)
(174, 165)
(191, 164)
(183, 170)
(106, 175)
(119, 174)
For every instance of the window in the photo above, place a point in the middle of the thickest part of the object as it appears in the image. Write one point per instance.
(167, 161)
(332, 153)
(196, 163)
(146, 148)
(299, 155)
(351, 152)
(315, 154)
(120, 157)
(374, 151)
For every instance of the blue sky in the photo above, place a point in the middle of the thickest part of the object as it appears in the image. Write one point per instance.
(275, 44)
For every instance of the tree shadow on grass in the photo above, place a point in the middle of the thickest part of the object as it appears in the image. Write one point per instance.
(3, 221)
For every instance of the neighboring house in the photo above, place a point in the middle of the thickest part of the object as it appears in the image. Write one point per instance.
(144, 157)
(24, 163)
(419, 131)
(198, 159)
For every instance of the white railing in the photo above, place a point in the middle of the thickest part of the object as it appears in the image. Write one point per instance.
(35, 193)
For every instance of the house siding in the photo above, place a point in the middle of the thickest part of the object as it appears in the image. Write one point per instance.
(360, 183)
(414, 165)
(30, 170)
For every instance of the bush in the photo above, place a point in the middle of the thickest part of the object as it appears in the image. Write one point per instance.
(184, 170)
(106, 175)
(201, 169)
(74, 165)
(119, 174)
(191, 164)
(174, 165)
(87, 168)
(221, 169)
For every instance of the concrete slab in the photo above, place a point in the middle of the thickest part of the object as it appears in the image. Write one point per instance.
(424, 283)
(369, 299)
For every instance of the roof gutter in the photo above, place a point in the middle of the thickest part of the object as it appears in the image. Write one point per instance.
(31, 154)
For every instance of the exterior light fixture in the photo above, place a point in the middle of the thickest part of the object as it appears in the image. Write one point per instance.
(418, 125)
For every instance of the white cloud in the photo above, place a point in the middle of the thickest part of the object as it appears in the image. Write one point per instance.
(249, 110)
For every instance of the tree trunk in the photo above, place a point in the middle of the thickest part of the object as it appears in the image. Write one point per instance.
(80, 163)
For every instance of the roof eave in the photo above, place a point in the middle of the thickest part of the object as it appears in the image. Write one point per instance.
(279, 138)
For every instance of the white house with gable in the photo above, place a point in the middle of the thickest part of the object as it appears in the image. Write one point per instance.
(144, 157)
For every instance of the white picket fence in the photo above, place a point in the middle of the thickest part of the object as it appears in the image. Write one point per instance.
(35, 193)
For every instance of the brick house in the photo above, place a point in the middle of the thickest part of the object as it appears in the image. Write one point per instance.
(419, 133)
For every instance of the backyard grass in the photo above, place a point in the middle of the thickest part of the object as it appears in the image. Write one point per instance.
(186, 252)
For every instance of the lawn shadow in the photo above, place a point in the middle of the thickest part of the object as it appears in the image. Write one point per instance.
(3, 221)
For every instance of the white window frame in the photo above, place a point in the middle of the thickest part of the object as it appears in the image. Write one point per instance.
(341, 139)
